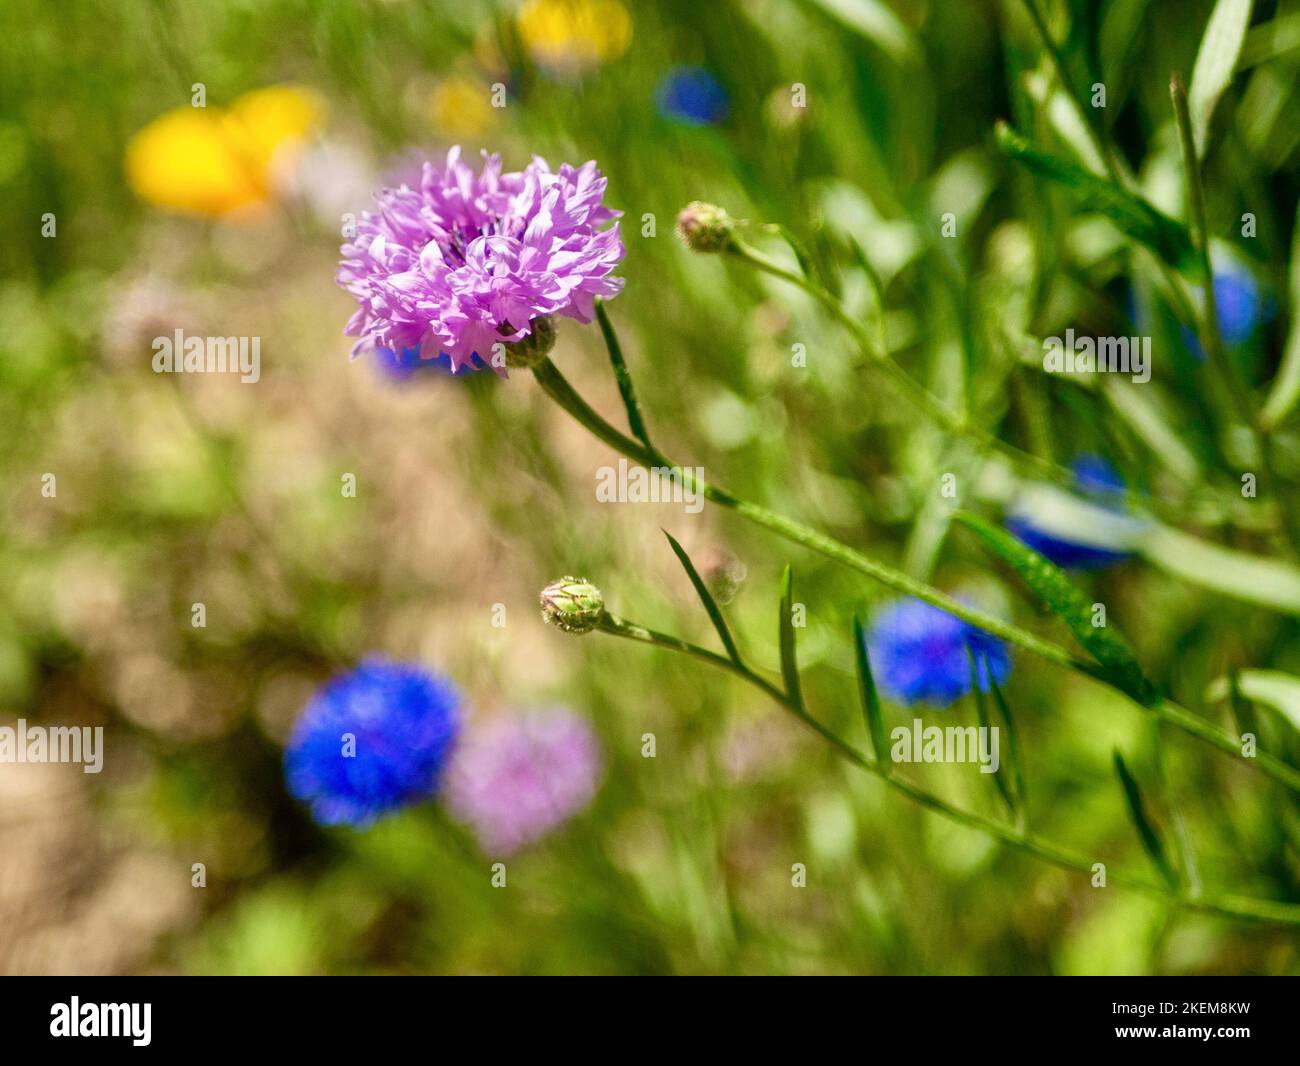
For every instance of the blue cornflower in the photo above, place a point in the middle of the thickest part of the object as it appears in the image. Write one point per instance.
(1241, 310)
(692, 95)
(1078, 533)
(408, 364)
(372, 740)
(1237, 300)
(919, 654)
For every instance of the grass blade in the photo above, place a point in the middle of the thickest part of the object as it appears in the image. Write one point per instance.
(625, 389)
(1166, 237)
(1013, 742)
(1056, 592)
(789, 665)
(1285, 390)
(1257, 579)
(1151, 842)
(1216, 62)
(871, 711)
(706, 597)
(982, 713)
(1272, 688)
(1243, 712)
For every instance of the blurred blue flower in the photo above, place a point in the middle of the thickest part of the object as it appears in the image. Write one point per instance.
(371, 741)
(1237, 299)
(396, 367)
(1241, 309)
(1073, 534)
(692, 95)
(919, 654)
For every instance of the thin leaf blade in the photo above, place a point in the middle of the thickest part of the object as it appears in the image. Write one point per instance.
(1285, 390)
(1130, 213)
(1272, 688)
(1058, 594)
(706, 598)
(1243, 712)
(871, 710)
(1151, 841)
(982, 714)
(1216, 62)
(635, 421)
(789, 664)
(1259, 579)
(1013, 742)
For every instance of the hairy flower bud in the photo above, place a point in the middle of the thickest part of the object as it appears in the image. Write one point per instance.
(527, 353)
(705, 227)
(573, 604)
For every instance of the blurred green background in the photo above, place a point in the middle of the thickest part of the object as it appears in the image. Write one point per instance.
(476, 492)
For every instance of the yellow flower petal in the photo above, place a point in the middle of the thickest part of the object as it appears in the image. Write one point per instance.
(182, 161)
(460, 107)
(267, 122)
(210, 162)
(575, 34)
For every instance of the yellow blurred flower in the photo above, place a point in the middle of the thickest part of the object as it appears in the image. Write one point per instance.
(460, 107)
(573, 35)
(215, 162)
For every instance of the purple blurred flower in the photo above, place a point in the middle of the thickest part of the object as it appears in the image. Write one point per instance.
(466, 260)
(515, 778)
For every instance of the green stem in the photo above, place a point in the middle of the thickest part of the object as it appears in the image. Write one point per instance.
(1236, 907)
(557, 387)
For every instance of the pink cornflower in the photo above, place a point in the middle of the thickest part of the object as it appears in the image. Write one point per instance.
(514, 778)
(465, 261)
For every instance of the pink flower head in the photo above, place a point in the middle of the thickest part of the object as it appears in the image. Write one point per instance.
(467, 260)
(515, 778)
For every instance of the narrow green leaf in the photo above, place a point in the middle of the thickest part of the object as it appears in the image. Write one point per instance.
(982, 714)
(871, 711)
(1144, 413)
(1166, 237)
(1242, 711)
(706, 597)
(1056, 592)
(621, 375)
(1151, 842)
(1013, 742)
(1120, 33)
(1216, 62)
(1273, 688)
(806, 266)
(1286, 385)
(1270, 40)
(789, 665)
(1252, 578)
(877, 23)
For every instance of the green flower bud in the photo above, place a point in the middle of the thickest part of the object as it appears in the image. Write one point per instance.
(705, 227)
(573, 604)
(531, 350)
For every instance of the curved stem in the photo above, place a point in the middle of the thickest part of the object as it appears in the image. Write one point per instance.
(557, 387)
(1237, 907)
